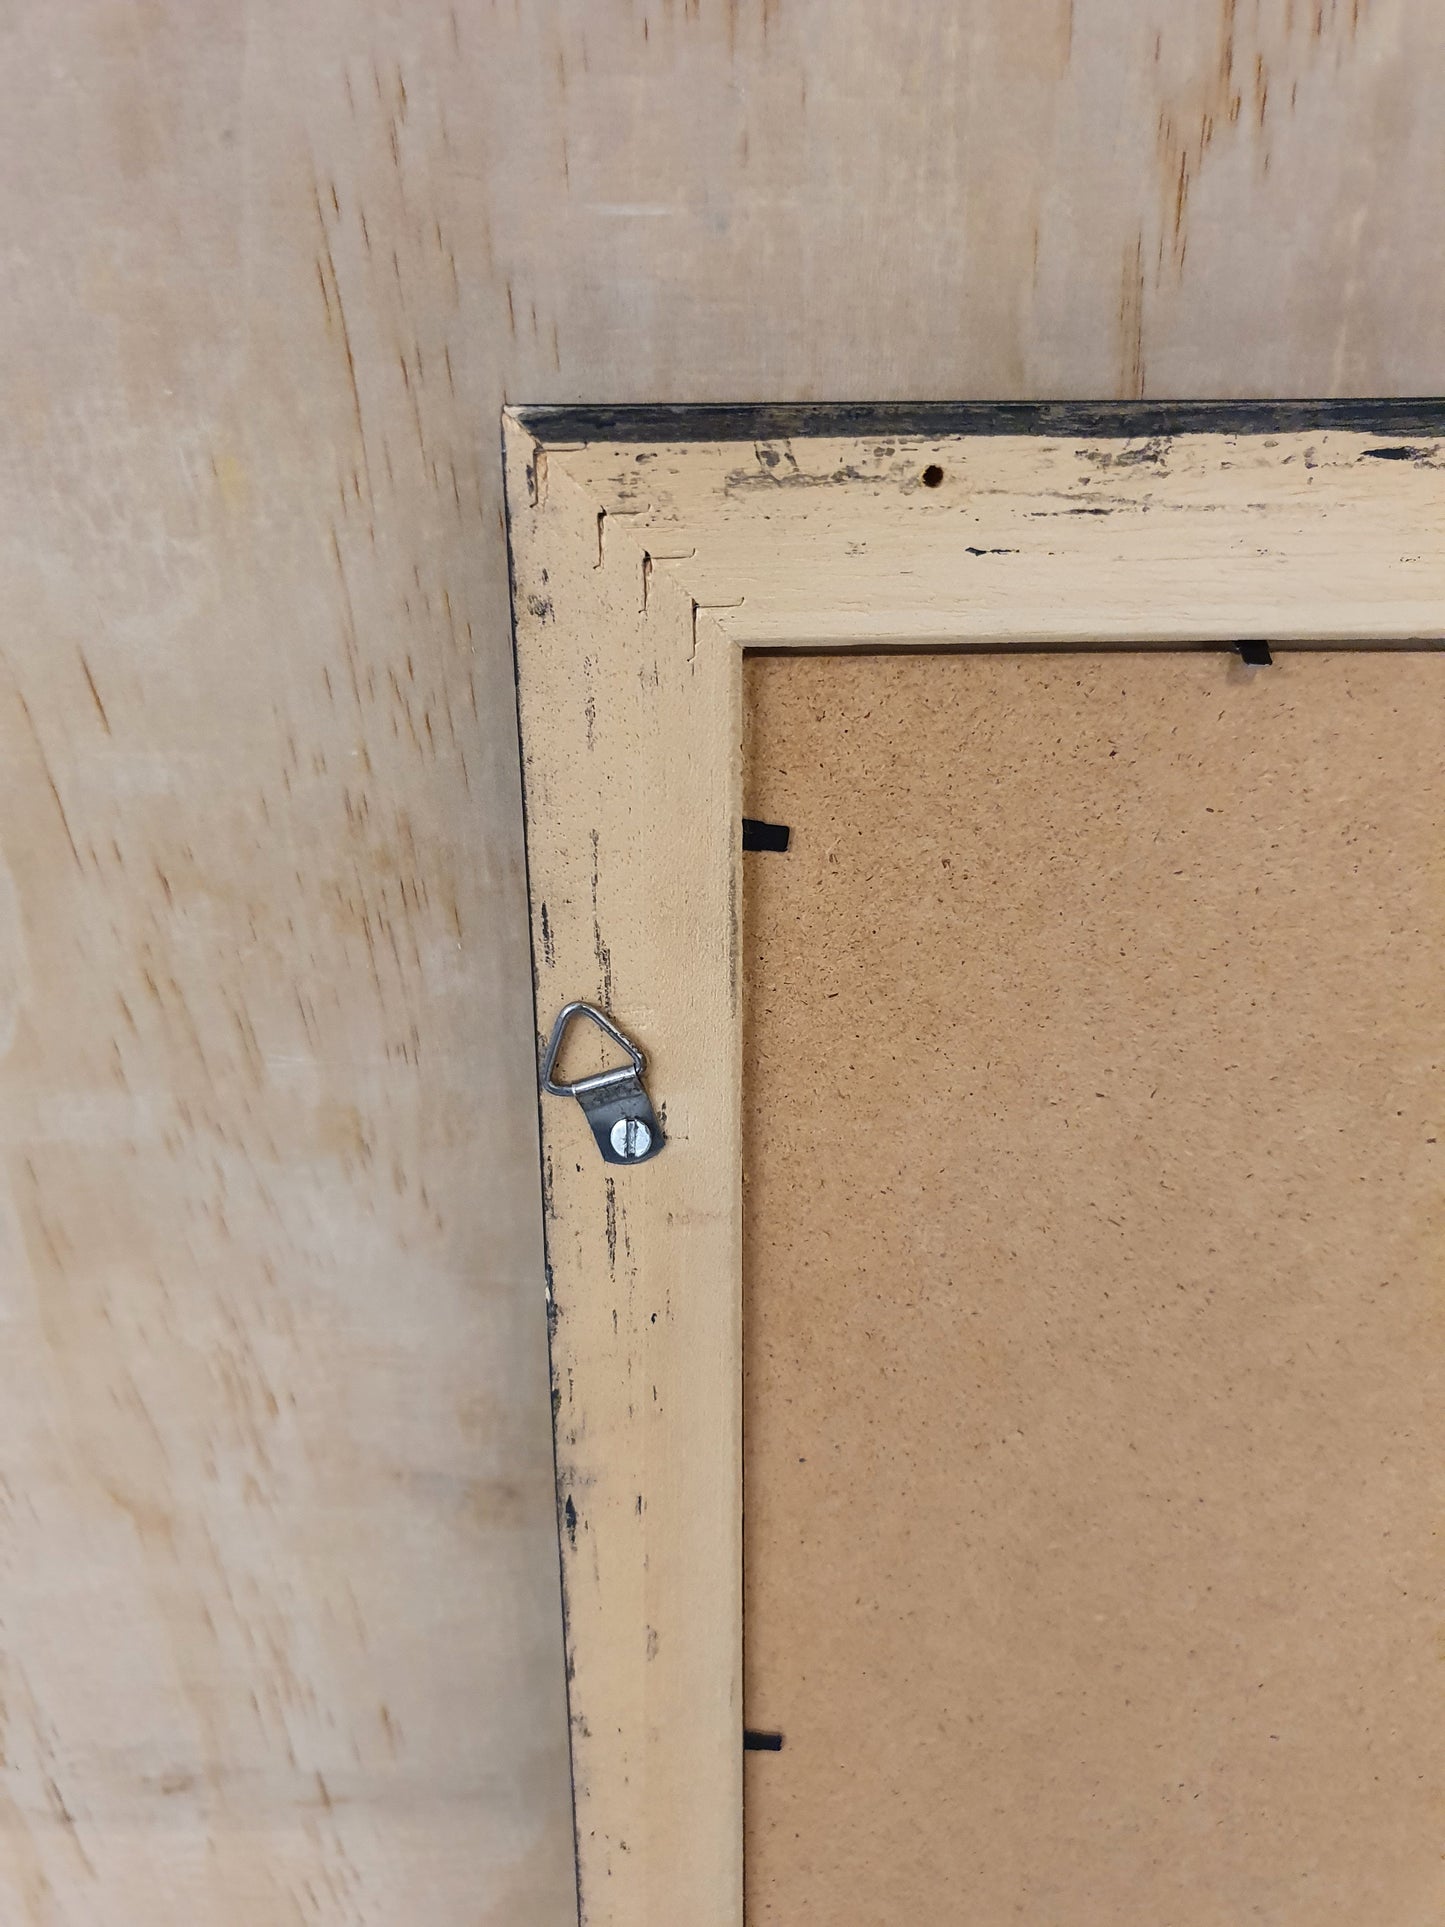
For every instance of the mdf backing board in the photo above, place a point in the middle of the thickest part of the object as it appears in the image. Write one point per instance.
(1094, 1321)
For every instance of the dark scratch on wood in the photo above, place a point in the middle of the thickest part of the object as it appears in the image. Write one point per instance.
(50, 782)
(94, 692)
(600, 949)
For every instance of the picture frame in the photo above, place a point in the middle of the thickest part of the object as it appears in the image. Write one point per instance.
(651, 548)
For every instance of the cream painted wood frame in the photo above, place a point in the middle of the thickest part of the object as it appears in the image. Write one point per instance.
(650, 549)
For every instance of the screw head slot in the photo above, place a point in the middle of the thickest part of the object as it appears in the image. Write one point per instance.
(630, 1138)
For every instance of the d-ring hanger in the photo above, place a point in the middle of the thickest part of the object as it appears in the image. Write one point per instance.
(615, 1103)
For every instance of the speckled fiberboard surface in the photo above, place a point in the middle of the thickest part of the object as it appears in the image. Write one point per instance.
(1095, 1304)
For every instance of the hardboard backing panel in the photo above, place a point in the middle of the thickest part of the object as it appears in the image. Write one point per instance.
(1094, 1332)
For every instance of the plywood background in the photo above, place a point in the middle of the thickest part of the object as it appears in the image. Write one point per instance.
(1094, 1211)
(278, 1624)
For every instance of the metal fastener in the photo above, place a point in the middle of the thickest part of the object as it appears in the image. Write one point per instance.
(630, 1139)
(614, 1102)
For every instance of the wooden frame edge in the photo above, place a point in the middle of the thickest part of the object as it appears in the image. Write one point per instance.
(629, 659)
(613, 732)
(1389, 417)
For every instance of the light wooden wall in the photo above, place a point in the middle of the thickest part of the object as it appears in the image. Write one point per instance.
(279, 1634)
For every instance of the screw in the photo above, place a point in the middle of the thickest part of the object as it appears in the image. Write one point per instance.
(631, 1138)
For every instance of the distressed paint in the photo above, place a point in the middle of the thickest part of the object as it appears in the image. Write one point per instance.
(642, 573)
(611, 703)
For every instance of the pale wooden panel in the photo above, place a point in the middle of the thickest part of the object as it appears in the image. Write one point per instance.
(270, 272)
(279, 1632)
(1093, 1244)
(815, 199)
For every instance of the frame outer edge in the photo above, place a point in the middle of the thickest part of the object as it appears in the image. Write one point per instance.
(629, 702)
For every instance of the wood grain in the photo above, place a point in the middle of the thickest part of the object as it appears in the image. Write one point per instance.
(1093, 1233)
(276, 1426)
